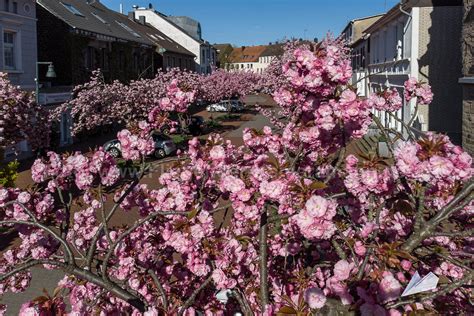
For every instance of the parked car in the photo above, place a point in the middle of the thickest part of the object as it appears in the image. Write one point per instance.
(237, 105)
(226, 106)
(219, 107)
(196, 126)
(193, 125)
(164, 146)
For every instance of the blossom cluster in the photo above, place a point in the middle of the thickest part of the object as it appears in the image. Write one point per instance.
(387, 100)
(84, 172)
(21, 117)
(420, 91)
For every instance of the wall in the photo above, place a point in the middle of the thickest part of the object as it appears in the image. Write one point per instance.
(440, 64)
(176, 35)
(468, 77)
(175, 60)
(22, 23)
(67, 50)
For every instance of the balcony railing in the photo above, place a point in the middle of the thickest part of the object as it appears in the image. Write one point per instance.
(395, 67)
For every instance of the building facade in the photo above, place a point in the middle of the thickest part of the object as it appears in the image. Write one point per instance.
(168, 54)
(246, 58)
(254, 58)
(18, 44)
(359, 43)
(188, 37)
(271, 52)
(467, 80)
(420, 39)
(79, 37)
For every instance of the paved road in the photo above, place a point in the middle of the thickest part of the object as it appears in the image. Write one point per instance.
(41, 279)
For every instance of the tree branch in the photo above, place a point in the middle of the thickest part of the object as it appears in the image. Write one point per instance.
(190, 301)
(263, 242)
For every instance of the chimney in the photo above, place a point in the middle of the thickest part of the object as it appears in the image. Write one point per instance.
(150, 6)
(142, 20)
(121, 8)
(131, 15)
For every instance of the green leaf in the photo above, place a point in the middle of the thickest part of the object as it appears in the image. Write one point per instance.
(193, 213)
(286, 310)
(318, 185)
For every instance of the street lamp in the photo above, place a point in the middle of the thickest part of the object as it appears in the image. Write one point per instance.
(50, 74)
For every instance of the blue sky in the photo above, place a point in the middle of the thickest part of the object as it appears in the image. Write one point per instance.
(252, 22)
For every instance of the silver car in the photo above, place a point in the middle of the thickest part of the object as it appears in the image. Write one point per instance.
(164, 146)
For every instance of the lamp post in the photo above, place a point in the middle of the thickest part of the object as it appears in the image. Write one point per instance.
(50, 74)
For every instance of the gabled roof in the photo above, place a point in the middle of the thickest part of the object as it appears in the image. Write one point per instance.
(273, 50)
(153, 35)
(246, 54)
(92, 16)
(165, 17)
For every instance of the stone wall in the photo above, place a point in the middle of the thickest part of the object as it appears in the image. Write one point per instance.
(468, 79)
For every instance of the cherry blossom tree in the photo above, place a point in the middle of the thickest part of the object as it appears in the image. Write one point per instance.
(21, 117)
(290, 222)
(222, 85)
(97, 103)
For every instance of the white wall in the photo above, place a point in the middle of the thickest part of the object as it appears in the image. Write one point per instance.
(23, 25)
(393, 59)
(175, 34)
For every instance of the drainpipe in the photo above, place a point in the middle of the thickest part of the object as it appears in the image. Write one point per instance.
(400, 7)
(414, 68)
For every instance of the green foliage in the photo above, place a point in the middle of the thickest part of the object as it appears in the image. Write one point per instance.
(180, 139)
(213, 124)
(8, 174)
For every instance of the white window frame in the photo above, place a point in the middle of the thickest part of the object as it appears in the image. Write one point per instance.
(16, 50)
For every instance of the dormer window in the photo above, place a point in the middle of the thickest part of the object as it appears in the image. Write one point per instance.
(72, 9)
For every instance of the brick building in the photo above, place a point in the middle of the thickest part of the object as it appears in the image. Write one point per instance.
(467, 80)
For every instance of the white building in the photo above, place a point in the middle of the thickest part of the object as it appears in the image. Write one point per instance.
(271, 52)
(18, 43)
(420, 39)
(359, 42)
(188, 35)
(254, 58)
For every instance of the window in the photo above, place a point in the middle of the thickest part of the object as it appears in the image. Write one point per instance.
(128, 29)
(15, 7)
(72, 9)
(9, 50)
